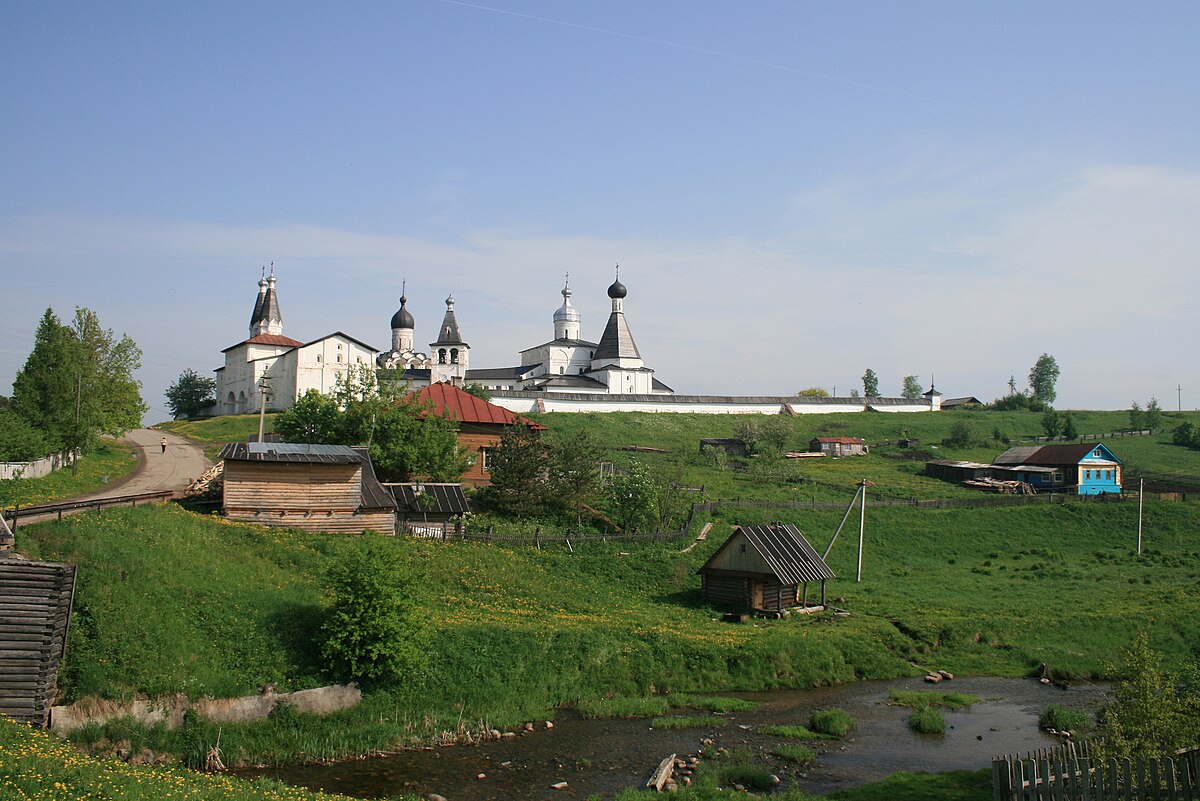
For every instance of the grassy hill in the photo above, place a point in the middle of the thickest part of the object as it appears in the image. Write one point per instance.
(169, 601)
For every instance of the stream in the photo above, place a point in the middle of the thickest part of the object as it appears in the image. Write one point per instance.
(606, 756)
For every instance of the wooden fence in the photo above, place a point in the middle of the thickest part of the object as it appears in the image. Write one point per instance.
(35, 613)
(1075, 772)
(569, 539)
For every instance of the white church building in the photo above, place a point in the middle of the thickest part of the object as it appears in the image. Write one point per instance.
(566, 373)
(286, 368)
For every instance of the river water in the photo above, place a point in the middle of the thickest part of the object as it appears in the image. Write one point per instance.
(605, 756)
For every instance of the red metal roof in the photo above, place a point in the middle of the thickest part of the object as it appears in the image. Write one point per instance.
(464, 407)
(268, 339)
(841, 440)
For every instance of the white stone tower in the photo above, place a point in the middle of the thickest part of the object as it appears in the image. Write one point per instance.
(566, 317)
(449, 355)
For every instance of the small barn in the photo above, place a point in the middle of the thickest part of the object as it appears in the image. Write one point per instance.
(838, 446)
(957, 471)
(1088, 468)
(764, 568)
(731, 446)
(310, 487)
(427, 509)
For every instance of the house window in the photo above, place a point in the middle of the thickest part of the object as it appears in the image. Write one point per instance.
(1096, 452)
(485, 460)
(743, 547)
(318, 358)
(1087, 475)
(1057, 478)
(339, 357)
(562, 370)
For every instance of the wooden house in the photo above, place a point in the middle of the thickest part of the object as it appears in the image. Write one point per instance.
(1087, 468)
(428, 509)
(310, 487)
(764, 568)
(480, 425)
(838, 446)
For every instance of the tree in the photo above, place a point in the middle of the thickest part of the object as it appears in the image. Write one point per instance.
(574, 473)
(854, 393)
(478, 390)
(1147, 717)
(1136, 419)
(912, 388)
(633, 497)
(1187, 434)
(776, 431)
(20, 441)
(1069, 431)
(961, 435)
(1051, 424)
(78, 382)
(315, 419)
(1042, 378)
(748, 431)
(1153, 417)
(518, 467)
(408, 439)
(372, 629)
(813, 392)
(870, 384)
(191, 394)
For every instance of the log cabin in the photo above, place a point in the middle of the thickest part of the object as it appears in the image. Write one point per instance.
(764, 569)
(309, 487)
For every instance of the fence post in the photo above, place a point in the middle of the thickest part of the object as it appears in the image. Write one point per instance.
(537, 537)
(491, 533)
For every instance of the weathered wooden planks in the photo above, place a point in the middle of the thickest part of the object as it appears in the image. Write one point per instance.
(35, 613)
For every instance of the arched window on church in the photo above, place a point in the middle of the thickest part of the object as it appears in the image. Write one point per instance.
(318, 358)
(562, 370)
(454, 355)
(441, 356)
(339, 358)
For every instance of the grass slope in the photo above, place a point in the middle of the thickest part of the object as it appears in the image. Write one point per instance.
(171, 601)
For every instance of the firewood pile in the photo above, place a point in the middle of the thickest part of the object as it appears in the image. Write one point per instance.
(1001, 486)
(209, 486)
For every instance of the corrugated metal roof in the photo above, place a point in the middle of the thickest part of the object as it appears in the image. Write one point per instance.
(374, 496)
(1053, 455)
(501, 372)
(268, 339)
(788, 554)
(299, 452)
(442, 499)
(449, 400)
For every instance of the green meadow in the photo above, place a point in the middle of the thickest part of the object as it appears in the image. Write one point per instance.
(109, 461)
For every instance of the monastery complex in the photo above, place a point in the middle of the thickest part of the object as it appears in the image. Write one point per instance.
(564, 374)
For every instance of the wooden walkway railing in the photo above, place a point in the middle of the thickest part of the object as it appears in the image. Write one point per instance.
(15, 513)
(1075, 772)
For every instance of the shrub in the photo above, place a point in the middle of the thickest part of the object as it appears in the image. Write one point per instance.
(371, 630)
(1061, 718)
(834, 722)
(927, 720)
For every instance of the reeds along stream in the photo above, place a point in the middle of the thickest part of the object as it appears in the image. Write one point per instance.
(606, 756)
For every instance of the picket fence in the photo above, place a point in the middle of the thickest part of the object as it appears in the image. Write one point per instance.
(1075, 772)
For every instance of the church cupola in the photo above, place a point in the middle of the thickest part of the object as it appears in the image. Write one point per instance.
(566, 317)
(402, 326)
(267, 319)
(449, 354)
(616, 343)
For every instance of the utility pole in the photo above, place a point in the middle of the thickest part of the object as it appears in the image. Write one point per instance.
(1178, 398)
(862, 522)
(263, 385)
(75, 444)
(1141, 492)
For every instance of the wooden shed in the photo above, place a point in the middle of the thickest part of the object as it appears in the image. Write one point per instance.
(838, 446)
(764, 568)
(426, 509)
(310, 487)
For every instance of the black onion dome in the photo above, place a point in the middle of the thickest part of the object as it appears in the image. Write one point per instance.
(617, 290)
(402, 319)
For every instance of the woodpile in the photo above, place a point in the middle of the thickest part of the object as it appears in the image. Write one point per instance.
(209, 485)
(1001, 486)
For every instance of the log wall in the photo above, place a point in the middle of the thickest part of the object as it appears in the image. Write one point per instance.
(35, 611)
(729, 592)
(278, 486)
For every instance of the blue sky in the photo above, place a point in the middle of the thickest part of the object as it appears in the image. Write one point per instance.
(795, 191)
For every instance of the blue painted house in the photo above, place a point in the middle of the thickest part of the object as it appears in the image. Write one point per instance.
(1087, 468)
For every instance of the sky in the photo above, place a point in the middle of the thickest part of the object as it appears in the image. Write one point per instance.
(795, 191)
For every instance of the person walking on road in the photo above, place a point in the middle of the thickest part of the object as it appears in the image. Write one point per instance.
(164, 444)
